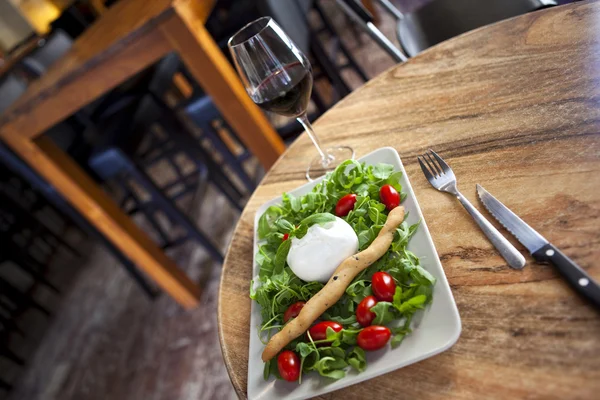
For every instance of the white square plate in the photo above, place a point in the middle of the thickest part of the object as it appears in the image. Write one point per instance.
(435, 329)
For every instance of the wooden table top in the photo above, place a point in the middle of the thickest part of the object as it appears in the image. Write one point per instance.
(515, 107)
(118, 26)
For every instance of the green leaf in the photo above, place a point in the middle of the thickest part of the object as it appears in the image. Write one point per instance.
(357, 359)
(384, 313)
(281, 256)
(412, 304)
(397, 300)
(295, 203)
(320, 218)
(267, 220)
(394, 180)
(376, 216)
(422, 276)
(396, 340)
(335, 352)
(331, 367)
(349, 336)
(342, 321)
(304, 349)
(284, 225)
(382, 171)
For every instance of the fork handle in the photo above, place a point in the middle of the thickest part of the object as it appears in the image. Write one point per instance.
(512, 256)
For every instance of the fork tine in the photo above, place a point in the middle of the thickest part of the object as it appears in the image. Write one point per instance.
(425, 169)
(437, 171)
(441, 161)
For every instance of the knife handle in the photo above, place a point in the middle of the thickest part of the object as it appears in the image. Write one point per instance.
(573, 273)
(504, 247)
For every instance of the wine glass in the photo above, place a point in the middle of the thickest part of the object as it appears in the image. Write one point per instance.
(278, 78)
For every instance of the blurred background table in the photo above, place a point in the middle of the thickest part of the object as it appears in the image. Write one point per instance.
(128, 38)
(514, 107)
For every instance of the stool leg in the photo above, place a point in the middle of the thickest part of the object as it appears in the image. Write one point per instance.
(6, 352)
(5, 386)
(171, 210)
(9, 324)
(197, 154)
(181, 134)
(13, 292)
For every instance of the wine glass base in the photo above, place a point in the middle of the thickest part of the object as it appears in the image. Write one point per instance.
(335, 155)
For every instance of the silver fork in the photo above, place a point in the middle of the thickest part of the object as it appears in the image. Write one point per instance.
(441, 177)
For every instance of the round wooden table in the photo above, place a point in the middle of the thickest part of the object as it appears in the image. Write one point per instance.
(515, 107)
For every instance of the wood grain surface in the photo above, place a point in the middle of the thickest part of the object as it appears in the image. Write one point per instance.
(515, 107)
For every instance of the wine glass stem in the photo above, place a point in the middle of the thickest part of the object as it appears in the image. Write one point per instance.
(303, 119)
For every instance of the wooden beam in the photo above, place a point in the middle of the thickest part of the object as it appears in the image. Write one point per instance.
(186, 33)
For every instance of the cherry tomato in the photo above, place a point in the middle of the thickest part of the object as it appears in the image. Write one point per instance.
(288, 364)
(319, 331)
(389, 196)
(383, 286)
(286, 236)
(293, 311)
(364, 316)
(345, 205)
(373, 337)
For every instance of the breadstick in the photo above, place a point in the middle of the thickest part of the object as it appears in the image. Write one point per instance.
(335, 288)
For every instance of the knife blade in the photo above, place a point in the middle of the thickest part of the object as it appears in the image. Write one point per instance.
(540, 248)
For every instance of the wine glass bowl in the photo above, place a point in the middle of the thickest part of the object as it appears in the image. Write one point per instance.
(278, 78)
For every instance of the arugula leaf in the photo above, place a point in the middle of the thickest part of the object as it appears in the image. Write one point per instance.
(267, 220)
(331, 367)
(320, 218)
(384, 313)
(397, 340)
(357, 359)
(382, 171)
(281, 255)
(394, 180)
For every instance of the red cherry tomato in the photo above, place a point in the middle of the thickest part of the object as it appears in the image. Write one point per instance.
(345, 205)
(319, 331)
(286, 236)
(364, 316)
(293, 311)
(389, 196)
(373, 337)
(288, 364)
(383, 286)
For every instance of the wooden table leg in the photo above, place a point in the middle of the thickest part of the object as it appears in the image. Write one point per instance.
(186, 32)
(75, 186)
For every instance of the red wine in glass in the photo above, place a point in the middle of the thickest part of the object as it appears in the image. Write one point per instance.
(278, 77)
(286, 92)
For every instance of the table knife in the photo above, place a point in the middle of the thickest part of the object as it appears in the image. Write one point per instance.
(540, 248)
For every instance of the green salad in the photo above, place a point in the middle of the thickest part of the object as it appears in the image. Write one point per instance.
(279, 291)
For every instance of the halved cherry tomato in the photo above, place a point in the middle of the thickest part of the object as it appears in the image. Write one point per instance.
(286, 236)
(373, 337)
(319, 331)
(364, 316)
(293, 311)
(288, 364)
(383, 286)
(389, 196)
(345, 205)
